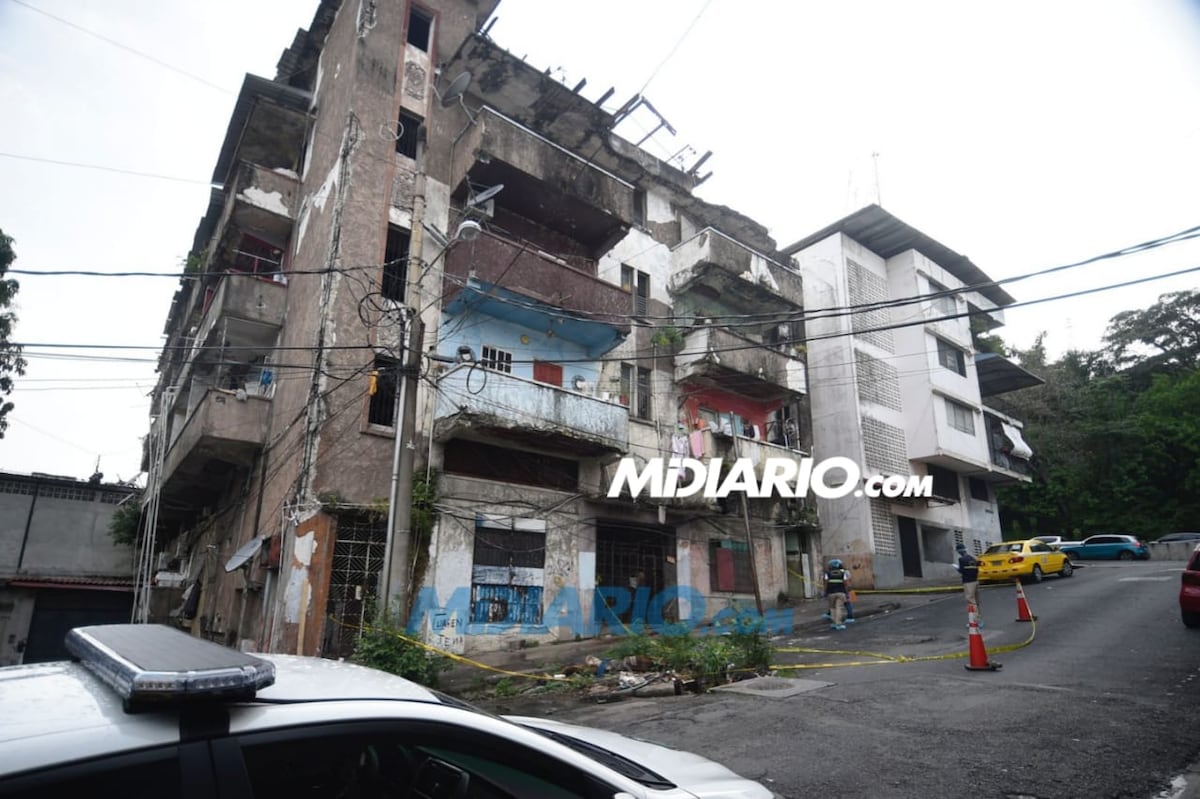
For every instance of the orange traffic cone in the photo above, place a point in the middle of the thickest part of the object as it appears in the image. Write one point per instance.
(1023, 613)
(978, 654)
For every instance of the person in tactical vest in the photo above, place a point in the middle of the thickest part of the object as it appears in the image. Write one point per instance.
(837, 590)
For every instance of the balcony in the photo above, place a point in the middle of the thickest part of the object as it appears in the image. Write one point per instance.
(546, 183)
(224, 429)
(718, 357)
(475, 401)
(713, 263)
(549, 282)
(251, 304)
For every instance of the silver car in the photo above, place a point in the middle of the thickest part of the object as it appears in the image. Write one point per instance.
(148, 711)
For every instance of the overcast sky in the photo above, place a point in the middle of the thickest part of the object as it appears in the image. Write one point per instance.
(1023, 135)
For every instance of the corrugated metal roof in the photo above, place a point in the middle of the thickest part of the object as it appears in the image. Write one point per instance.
(885, 235)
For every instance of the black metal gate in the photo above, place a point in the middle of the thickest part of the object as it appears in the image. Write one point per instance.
(630, 556)
(358, 553)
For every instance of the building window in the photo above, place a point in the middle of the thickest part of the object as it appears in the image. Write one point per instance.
(635, 390)
(420, 25)
(496, 360)
(406, 134)
(945, 305)
(729, 567)
(960, 417)
(385, 379)
(395, 264)
(945, 483)
(979, 489)
(637, 283)
(951, 357)
(639, 207)
(508, 570)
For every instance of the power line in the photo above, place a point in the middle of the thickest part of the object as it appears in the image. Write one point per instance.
(118, 170)
(918, 320)
(124, 47)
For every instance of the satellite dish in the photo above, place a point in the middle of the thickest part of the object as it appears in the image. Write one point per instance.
(243, 555)
(486, 195)
(456, 89)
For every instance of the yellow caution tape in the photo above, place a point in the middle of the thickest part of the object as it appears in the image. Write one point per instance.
(882, 659)
(447, 654)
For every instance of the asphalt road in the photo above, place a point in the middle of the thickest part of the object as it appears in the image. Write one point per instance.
(1104, 702)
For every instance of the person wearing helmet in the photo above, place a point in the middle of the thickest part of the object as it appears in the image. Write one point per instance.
(837, 589)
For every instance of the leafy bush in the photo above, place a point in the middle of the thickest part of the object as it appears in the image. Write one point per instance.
(383, 647)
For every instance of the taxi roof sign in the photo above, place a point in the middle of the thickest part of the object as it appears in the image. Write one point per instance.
(152, 664)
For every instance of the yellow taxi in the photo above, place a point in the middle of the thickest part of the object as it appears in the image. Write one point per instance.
(1029, 560)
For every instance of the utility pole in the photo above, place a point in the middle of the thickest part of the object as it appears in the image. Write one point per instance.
(398, 552)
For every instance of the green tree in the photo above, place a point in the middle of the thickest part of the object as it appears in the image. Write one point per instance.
(1116, 432)
(1165, 334)
(11, 362)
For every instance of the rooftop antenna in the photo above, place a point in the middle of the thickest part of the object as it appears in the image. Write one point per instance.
(878, 195)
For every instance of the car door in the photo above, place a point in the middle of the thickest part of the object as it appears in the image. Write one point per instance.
(1043, 556)
(178, 770)
(1106, 546)
(397, 759)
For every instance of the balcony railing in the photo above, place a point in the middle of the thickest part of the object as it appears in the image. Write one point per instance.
(484, 399)
(739, 364)
(741, 275)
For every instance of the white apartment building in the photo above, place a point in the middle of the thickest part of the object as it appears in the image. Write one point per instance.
(899, 384)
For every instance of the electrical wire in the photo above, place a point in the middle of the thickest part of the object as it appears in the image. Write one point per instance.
(157, 61)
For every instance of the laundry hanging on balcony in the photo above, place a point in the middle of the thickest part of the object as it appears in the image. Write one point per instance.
(1019, 448)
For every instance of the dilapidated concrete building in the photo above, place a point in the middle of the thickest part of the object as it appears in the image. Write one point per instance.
(435, 301)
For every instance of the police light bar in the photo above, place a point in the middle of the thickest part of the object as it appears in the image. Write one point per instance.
(151, 664)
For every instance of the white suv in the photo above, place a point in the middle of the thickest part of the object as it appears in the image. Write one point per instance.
(148, 711)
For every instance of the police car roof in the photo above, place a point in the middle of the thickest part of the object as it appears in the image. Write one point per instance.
(51, 712)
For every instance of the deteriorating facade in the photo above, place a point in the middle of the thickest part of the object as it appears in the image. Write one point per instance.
(434, 303)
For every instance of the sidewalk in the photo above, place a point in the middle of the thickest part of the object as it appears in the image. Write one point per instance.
(554, 658)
